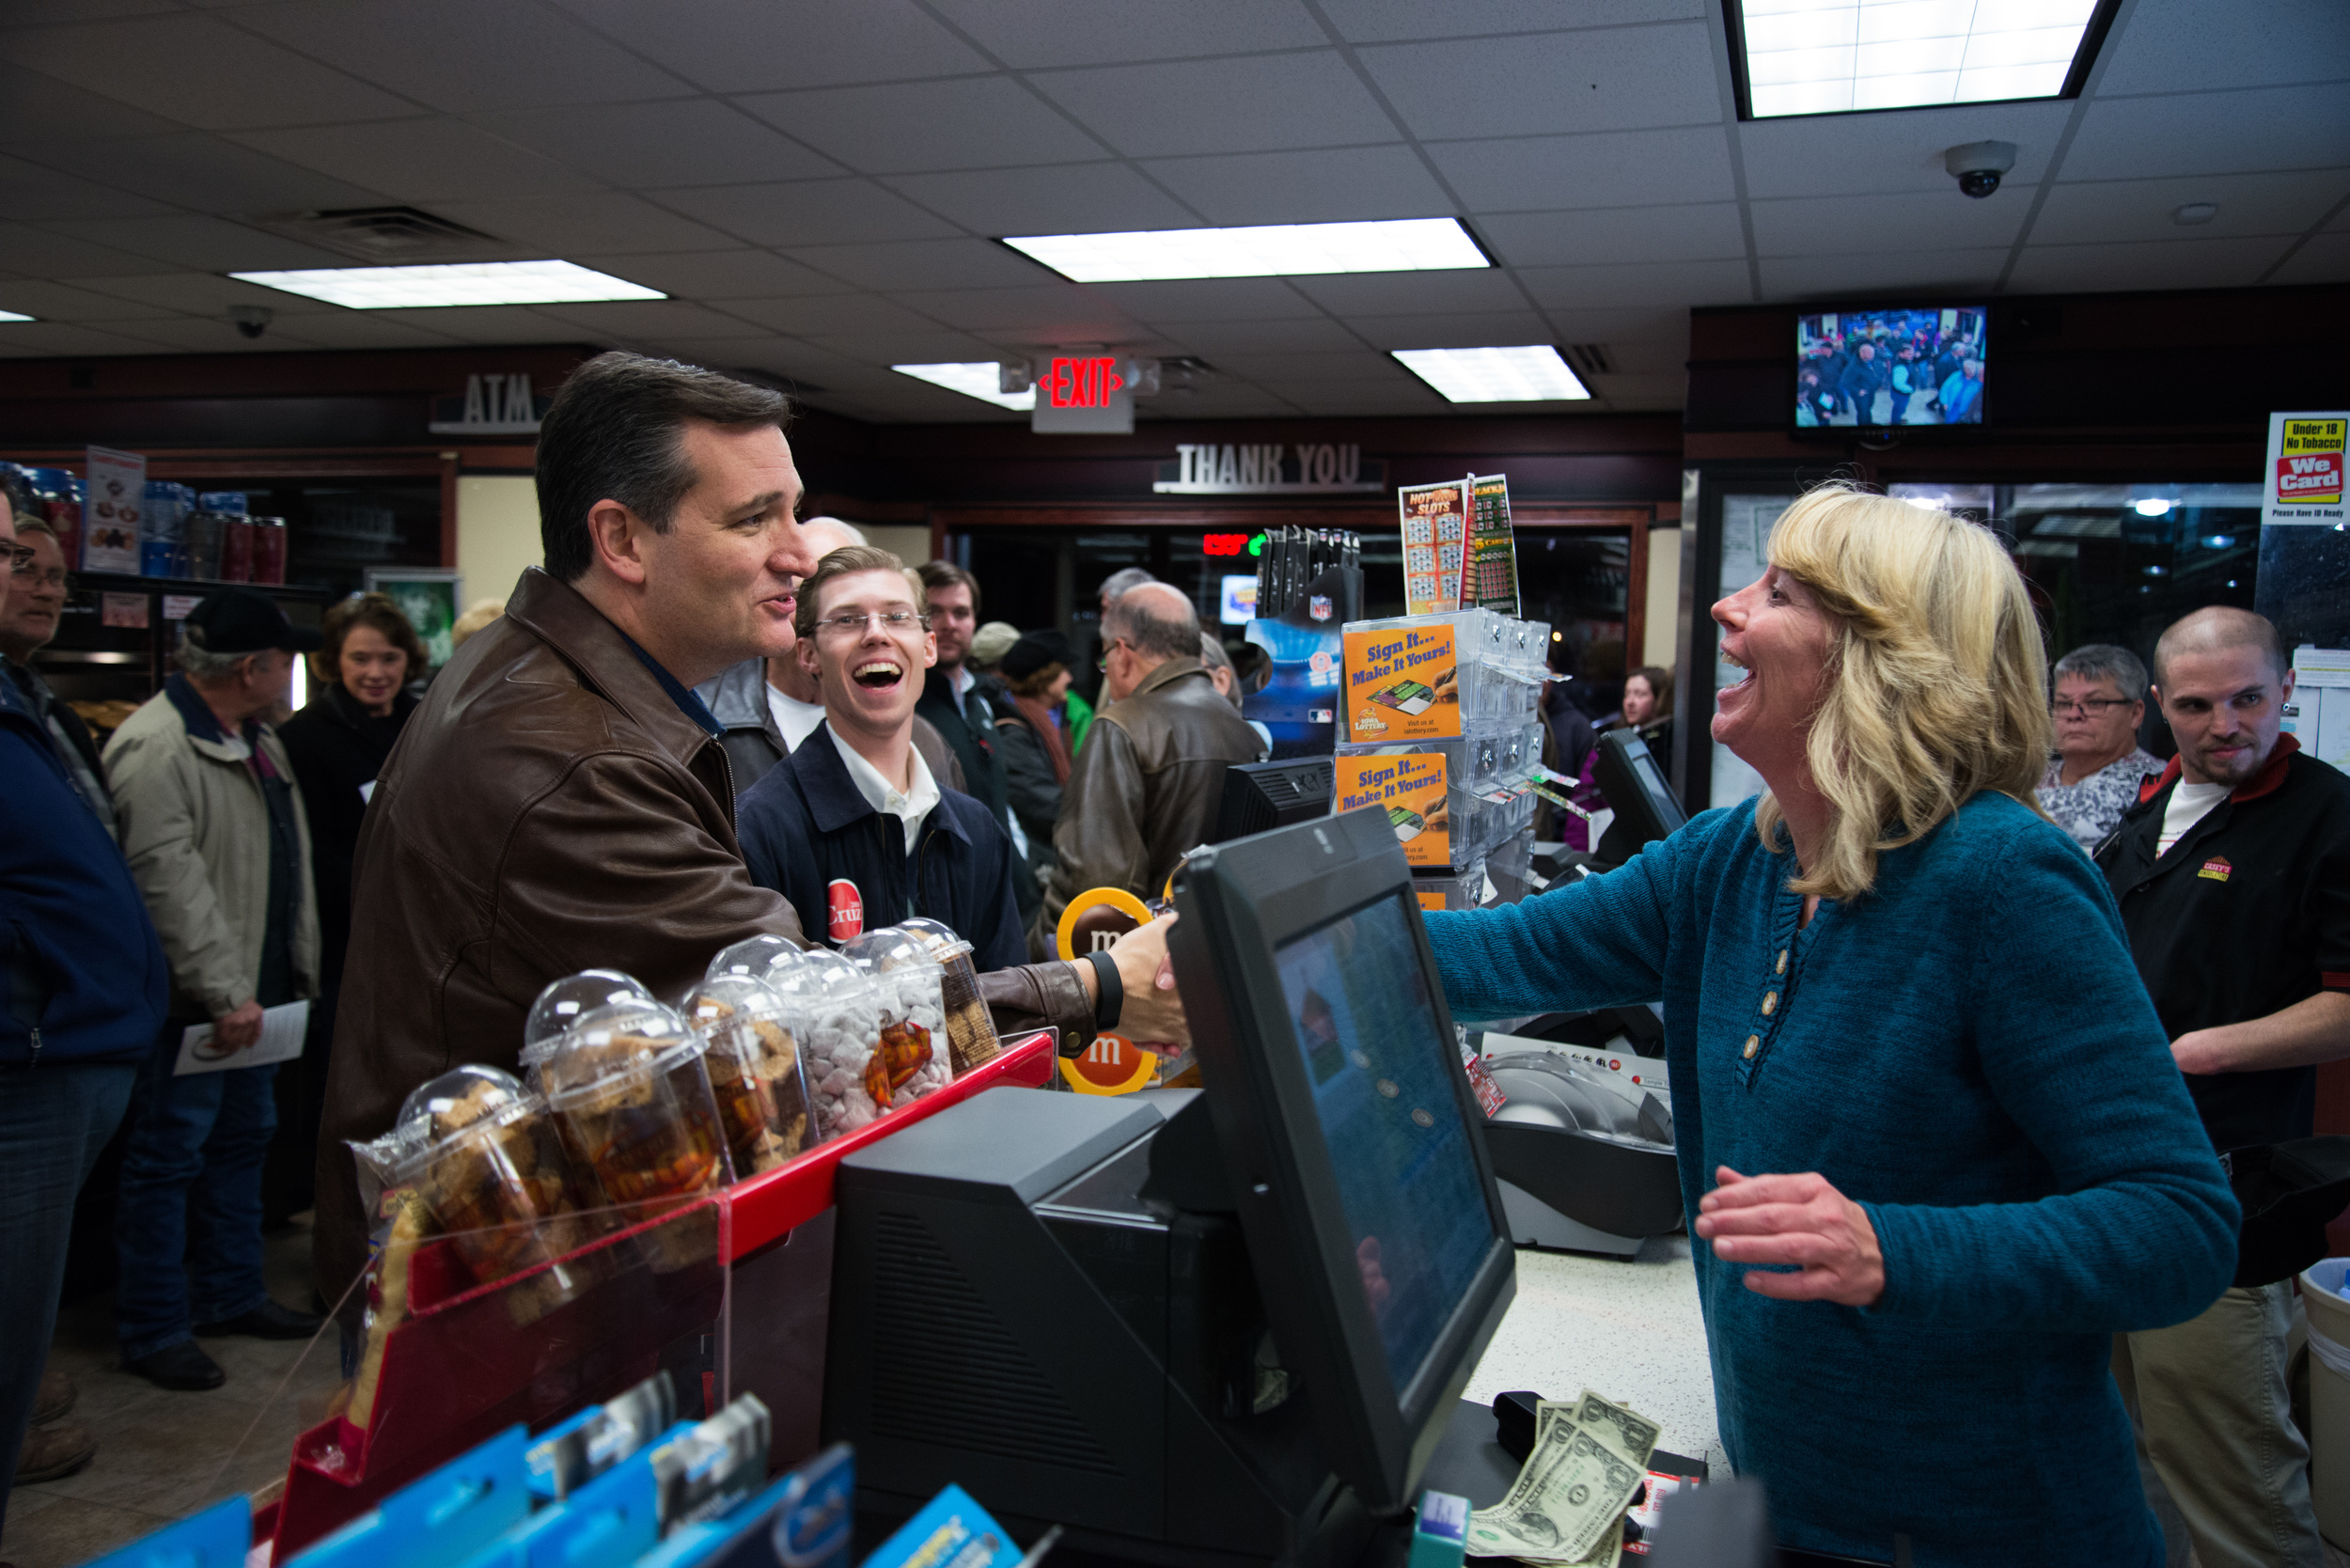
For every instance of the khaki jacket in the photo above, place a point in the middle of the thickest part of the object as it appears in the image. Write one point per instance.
(548, 808)
(1144, 789)
(195, 831)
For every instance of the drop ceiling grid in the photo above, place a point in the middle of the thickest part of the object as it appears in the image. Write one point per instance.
(817, 185)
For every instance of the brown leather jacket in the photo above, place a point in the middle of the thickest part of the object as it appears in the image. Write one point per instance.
(1144, 790)
(549, 809)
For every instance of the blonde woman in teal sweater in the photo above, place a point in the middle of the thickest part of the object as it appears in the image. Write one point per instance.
(1932, 1146)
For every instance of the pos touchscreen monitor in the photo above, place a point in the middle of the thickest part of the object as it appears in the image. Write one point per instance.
(1349, 1133)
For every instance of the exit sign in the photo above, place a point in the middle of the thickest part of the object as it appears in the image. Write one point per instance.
(1084, 394)
(1080, 384)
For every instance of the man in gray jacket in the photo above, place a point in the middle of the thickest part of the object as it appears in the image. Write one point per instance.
(213, 826)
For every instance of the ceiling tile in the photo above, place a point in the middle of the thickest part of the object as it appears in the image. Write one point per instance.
(1066, 198)
(1666, 285)
(720, 275)
(1314, 335)
(31, 252)
(219, 334)
(2212, 132)
(47, 339)
(36, 110)
(1663, 390)
(2091, 212)
(358, 329)
(1333, 186)
(1612, 79)
(649, 318)
(1860, 156)
(2171, 264)
(1940, 269)
(1049, 313)
(1646, 357)
(1666, 326)
(905, 128)
(33, 194)
(210, 173)
(922, 265)
(198, 70)
(2189, 46)
(758, 46)
(1353, 295)
(462, 55)
(1605, 168)
(1335, 398)
(806, 212)
(884, 348)
(1252, 104)
(420, 160)
(832, 313)
(27, 12)
(1700, 233)
(609, 221)
(2322, 258)
(204, 294)
(1489, 330)
(686, 141)
(1837, 225)
(1267, 367)
(1041, 33)
(61, 302)
(1388, 20)
(1210, 299)
(490, 323)
(191, 242)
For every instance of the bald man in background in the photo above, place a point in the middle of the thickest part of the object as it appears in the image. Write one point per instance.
(1146, 783)
(769, 706)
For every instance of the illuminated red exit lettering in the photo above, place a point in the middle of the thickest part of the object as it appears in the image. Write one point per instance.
(1081, 382)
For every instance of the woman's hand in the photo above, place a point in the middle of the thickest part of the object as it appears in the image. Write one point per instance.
(1153, 1011)
(1794, 1219)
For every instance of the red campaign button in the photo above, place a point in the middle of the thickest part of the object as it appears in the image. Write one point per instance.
(1635, 1077)
(844, 910)
(1614, 1066)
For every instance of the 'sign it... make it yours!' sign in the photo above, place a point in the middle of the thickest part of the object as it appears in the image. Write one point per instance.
(2303, 478)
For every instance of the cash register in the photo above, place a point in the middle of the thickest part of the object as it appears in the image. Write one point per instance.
(1218, 1326)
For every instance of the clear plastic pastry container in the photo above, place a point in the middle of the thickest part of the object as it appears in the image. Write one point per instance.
(630, 1095)
(756, 1070)
(484, 1156)
(755, 957)
(910, 987)
(971, 1038)
(561, 1005)
(839, 1017)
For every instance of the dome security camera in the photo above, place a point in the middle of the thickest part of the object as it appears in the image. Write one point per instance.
(1976, 166)
(252, 319)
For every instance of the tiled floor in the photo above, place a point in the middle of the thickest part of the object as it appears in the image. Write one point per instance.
(162, 1455)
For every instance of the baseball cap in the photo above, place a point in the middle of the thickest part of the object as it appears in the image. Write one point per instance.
(237, 620)
(991, 641)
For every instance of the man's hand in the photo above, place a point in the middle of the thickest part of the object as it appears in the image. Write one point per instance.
(1153, 1011)
(1794, 1219)
(237, 1030)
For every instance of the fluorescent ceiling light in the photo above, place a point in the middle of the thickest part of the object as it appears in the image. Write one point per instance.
(12, 316)
(1270, 250)
(973, 380)
(1530, 373)
(1835, 57)
(454, 283)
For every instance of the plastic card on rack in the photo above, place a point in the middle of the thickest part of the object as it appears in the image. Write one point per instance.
(572, 1453)
(217, 1538)
(448, 1515)
(802, 1520)
(952, 1531)
(613, 1519)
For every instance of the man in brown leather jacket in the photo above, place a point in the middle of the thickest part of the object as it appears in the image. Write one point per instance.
(560, 801)
(1146, 783)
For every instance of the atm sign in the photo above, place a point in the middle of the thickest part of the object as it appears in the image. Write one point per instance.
(1080, 383)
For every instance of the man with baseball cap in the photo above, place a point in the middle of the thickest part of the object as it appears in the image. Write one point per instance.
(213, 826)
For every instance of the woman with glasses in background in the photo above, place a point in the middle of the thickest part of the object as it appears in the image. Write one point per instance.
(2094, 778)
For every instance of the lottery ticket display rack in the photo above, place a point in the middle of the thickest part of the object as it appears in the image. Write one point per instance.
(663, 1291)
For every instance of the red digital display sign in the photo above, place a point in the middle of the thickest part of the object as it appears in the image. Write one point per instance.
(1080, 383)
(1224, 544)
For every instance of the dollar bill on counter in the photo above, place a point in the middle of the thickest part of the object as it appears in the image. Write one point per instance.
(1625, 1431)
(1572, 1492)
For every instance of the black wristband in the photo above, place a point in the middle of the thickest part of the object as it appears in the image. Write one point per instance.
(1113, 998)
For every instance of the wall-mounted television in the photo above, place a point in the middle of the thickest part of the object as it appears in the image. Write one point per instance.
(1894, 368)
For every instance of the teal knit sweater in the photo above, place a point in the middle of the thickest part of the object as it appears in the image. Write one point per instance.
(1968, 1053)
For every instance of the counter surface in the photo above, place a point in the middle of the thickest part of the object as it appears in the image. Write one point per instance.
(1628, 1332)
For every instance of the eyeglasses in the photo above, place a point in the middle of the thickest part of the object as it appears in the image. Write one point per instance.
(57, 576)
(1103, 663)
(2093, 707)
(852, 625)
(21, 558)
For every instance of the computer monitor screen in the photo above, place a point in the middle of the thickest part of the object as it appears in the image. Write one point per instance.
(1369, 1034)
(1882, 368)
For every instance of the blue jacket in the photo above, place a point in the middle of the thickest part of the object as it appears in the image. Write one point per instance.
(1967, 1053)
(809, 832)
(84, 974)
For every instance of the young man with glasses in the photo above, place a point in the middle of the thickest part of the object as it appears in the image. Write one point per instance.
(853, 827)
(2100, 701)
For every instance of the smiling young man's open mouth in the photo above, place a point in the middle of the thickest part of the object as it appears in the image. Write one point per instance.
(878, 675)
